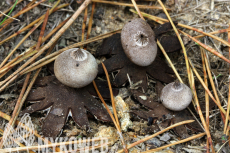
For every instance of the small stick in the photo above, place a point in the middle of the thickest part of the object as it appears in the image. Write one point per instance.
(9, 16)
(156, 134)
(175, 143)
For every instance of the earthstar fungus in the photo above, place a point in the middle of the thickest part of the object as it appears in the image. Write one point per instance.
(73, 68)
(176, 96)
(138, 41)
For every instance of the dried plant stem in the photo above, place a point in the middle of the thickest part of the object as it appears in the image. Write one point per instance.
(54, 55)
(228, 106)
(84, 25)
(175, 143)
(170, 62)
(189, 27)
(137, 8)
(206, 47)
(60, 32)
(214, 32)
(31, 24)
(7, 117)
(180, 40)
(130, 5)
(114, 108)
(156, 134)
(200, 113)
(206, 94)
(90, 20)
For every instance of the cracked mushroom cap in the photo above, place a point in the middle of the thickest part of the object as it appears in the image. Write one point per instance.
(75, 68)
(176, 96)
(138, 42)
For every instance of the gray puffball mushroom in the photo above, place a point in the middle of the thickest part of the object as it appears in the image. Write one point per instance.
(75, 67)
(138, 42)
(176, 96)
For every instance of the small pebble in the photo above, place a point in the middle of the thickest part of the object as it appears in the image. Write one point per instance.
(98, 29)
(36, 10)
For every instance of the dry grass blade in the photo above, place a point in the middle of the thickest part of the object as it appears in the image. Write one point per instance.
(60, 32)
(175, 143)
(206, 47)
(200, 113)
(130, 5)
(156, 134)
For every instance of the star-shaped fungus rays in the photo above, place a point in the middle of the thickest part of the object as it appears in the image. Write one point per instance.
(63, 100)
(117, 60)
